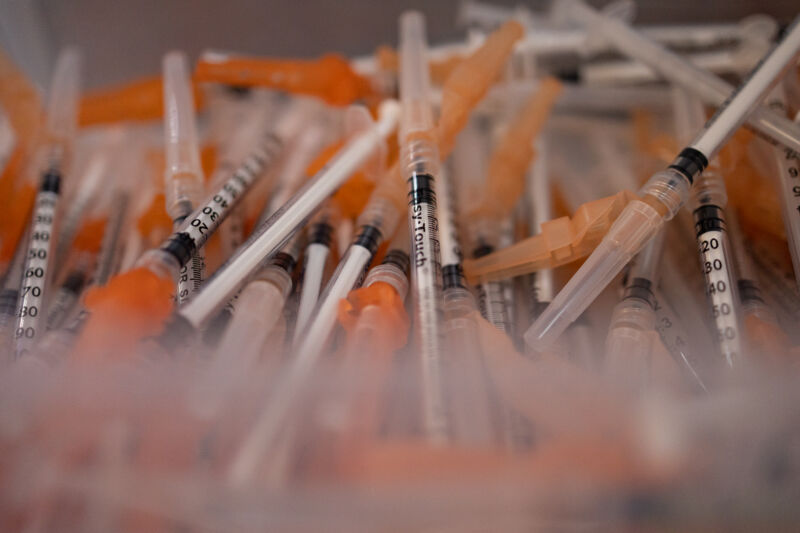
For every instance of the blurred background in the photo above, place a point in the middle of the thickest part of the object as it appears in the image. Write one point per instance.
(124, 39)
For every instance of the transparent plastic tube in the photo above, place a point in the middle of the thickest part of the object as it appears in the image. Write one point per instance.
(709, 205)
(420, 166)
(267, 238)
(452, 271)
(183, 176)
(705, 85)
(56, 155)
(716, 262)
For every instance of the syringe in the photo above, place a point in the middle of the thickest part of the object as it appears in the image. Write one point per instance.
(183, 175)
(660, 199)
(57, 342)
(266, 240)
(55, 160)
(709, 203)
(706, 86)
(788, 162)
(419, 165)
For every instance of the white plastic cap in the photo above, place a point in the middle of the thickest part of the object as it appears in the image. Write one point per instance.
(62, 105)
(183, 173)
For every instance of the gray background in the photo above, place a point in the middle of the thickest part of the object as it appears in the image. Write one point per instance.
(122, 39)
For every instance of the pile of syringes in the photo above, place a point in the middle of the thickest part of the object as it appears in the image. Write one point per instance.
(543, 278)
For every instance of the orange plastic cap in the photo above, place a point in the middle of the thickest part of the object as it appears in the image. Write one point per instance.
(132, 306)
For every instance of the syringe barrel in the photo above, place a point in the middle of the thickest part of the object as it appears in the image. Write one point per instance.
(183, 173)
